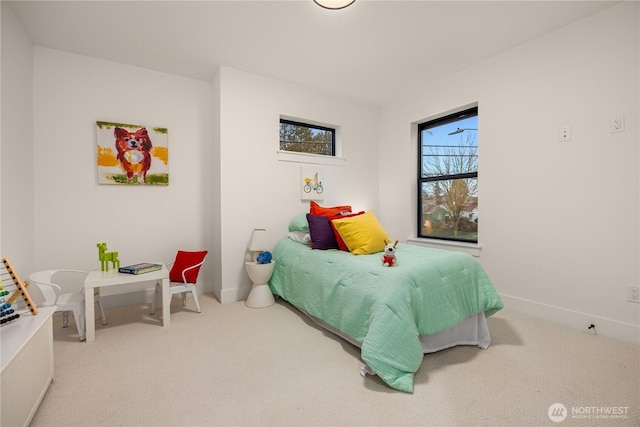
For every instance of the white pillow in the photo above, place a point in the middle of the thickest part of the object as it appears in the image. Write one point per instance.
(300, 237)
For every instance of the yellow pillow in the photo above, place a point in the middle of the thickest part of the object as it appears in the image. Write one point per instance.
(362, 234)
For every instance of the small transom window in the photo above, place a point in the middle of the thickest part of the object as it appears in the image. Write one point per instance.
(307, 138)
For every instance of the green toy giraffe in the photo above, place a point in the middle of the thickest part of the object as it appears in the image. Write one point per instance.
(105, 257)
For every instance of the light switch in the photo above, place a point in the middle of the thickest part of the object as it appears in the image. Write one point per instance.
(617, 124)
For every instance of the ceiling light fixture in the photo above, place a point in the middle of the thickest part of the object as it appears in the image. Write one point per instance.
(334, 4)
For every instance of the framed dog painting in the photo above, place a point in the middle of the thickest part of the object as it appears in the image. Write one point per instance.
(132, 154)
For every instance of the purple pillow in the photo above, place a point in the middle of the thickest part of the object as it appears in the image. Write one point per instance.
(322, 236)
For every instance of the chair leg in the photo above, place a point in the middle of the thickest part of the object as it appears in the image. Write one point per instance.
(155, 297)
(65, 319)
(102, 316)
(184, 299)
(195, 299)
(78, 315)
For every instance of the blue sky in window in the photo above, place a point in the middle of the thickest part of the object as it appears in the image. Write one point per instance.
(439, 135)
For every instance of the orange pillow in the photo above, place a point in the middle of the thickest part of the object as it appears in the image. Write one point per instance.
(185, 259)
(316, 209)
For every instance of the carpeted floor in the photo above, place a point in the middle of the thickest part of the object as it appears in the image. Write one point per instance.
(231, 365)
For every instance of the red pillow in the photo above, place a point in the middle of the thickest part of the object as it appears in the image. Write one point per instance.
(341, 244)
(185, 259)
(316, 209)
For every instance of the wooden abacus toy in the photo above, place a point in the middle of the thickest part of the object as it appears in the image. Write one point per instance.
(11, 305)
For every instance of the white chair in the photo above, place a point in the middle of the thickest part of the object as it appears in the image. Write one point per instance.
(183, 277)
(66, 299)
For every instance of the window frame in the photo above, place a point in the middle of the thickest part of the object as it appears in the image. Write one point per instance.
(310, 126)
(431, 123)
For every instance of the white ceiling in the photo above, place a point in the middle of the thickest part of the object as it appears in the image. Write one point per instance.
(370, 51)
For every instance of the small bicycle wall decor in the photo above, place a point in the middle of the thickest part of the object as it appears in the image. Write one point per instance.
(312, 188)
(314, 184)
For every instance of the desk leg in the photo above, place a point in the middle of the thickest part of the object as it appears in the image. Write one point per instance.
(166, 303)
(89, 315)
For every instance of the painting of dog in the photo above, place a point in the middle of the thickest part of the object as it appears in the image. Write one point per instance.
(134, 152)
(127, 155)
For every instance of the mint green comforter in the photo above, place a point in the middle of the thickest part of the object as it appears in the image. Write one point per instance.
(385, 308)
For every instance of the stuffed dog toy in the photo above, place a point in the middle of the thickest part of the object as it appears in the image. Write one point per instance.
(389, 257)
(134, 152)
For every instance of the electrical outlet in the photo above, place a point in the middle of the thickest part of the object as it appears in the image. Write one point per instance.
(565, 133)
(617, 124)
(633, 294)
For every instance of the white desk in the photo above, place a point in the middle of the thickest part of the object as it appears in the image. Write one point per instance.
(101, 279)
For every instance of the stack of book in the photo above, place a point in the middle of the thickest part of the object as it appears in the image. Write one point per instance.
(141, 268)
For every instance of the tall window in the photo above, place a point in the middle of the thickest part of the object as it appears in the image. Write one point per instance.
(448, 177)
(305, 138)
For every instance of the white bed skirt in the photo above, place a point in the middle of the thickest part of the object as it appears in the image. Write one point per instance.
(473, 330)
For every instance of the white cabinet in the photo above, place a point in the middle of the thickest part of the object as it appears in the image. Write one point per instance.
(27, 366)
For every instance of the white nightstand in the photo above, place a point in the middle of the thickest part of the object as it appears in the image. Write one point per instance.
(260, 295)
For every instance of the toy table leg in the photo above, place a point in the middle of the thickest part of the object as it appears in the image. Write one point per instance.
(89, 315)
(166, 303)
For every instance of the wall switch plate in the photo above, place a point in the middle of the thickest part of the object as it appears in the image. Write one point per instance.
(617, 124)
(565, 133)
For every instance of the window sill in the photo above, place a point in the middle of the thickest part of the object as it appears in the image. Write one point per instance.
(472, 249)
(289, 156)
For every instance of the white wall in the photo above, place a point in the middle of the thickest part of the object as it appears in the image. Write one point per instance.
(16, 178)
(216, 212)
(73, 212)
(258, 190)
(559, 229)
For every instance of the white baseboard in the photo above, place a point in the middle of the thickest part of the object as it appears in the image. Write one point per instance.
(230, 295)
(608, 327)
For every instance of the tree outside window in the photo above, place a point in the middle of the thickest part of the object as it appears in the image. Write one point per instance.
(448, 177)
(305, 138)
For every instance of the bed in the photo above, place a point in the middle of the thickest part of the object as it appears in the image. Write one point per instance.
(431, 300)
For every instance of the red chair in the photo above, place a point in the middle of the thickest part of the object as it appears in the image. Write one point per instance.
(183, 277)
